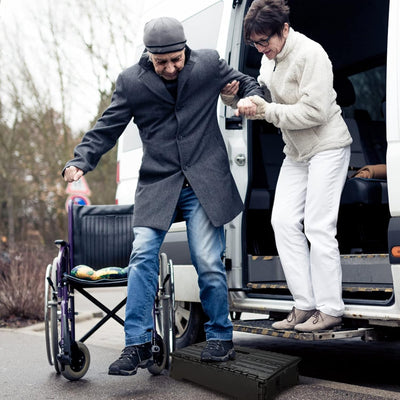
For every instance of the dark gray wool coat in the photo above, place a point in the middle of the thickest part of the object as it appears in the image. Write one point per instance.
(181, 137)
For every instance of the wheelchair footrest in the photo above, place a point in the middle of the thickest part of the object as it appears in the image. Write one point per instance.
(254, 374)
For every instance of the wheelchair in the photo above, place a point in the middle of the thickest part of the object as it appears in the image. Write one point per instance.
(99, 236)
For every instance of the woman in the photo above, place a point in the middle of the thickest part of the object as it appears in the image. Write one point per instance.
(297, 75)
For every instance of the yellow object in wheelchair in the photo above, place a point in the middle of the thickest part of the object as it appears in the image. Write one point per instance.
(86, 272)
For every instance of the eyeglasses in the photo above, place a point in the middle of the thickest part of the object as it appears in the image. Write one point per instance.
(261, 43)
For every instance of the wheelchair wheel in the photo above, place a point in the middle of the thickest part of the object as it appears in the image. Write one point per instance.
(165, 317)
(160, 358)
(51, 311)
(80, 361)
(47, 299)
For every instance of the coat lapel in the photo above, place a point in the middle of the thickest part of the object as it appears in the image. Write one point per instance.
(184, 76)
(153, 82)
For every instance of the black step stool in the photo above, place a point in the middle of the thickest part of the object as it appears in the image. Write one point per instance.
(254, 374)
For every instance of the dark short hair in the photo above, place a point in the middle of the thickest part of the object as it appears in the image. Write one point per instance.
(266, 17)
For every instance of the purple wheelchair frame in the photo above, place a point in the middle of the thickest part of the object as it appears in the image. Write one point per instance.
(70, 350)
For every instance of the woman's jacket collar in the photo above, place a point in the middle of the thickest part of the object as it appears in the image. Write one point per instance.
(288, 46)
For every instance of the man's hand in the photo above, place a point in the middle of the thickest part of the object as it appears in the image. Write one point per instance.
(231, 88)
(72, 174)
(228, 94)
(252, 107)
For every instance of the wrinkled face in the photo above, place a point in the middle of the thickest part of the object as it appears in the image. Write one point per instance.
(271, 45)
(168, 65)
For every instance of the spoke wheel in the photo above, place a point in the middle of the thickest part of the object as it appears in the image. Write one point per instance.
(51, 312)
(48, 291)
(164, 318)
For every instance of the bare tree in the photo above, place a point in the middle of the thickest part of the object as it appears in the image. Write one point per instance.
(79, 48)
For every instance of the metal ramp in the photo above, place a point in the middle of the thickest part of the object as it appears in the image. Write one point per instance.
(254, 374)
(263, 327)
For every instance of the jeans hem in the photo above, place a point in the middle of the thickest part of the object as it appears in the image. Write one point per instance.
(138, 340)
(219, 336)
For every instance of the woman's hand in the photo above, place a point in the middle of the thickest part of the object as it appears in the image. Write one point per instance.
(252, 107)
(246, 108)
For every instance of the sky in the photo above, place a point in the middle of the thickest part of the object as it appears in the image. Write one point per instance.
(25, 32)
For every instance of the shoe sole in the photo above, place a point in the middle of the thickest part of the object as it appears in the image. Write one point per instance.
(333, 328)
(144, 364)
(229, 356)
(283, 329)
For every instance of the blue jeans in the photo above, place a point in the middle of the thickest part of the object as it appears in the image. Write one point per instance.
(207, 245)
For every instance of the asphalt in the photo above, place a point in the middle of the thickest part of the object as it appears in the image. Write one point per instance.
(26, 374)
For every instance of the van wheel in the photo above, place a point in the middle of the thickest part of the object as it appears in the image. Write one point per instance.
(189, 323)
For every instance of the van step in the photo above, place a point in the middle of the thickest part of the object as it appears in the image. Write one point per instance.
(346, 287)
(254, 374)
(263, 327)
(350, 290)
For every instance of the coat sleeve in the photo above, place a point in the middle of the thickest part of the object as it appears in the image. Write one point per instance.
(105, 133)
(248, 86)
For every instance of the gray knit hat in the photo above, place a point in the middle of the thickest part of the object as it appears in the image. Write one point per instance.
(164, 35)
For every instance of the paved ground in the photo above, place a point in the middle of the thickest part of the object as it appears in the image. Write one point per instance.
(25, 372)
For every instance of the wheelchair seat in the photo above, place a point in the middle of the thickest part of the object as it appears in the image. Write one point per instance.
(99, 236)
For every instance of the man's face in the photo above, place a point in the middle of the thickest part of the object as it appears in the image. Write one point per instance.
(168, 65)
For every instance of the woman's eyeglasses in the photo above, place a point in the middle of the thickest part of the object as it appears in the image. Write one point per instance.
(262, 42)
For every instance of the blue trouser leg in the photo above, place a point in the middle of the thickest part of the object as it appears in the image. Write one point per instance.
(142, 284)
(207, 245)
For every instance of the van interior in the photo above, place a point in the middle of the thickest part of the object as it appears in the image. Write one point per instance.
(354, 34)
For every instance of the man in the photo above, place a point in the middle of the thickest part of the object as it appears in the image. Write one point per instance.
(172, 95)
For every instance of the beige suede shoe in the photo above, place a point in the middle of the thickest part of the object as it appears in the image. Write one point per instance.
(319, 321)
(295, 317)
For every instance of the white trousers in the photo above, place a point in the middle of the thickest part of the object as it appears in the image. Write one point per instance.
(304, 219)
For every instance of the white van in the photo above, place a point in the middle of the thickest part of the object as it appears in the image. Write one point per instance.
(361, 38)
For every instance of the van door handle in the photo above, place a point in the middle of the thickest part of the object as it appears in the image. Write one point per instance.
(233, 123)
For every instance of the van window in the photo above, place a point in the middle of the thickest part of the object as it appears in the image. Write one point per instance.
(202, 29)
(370, 90)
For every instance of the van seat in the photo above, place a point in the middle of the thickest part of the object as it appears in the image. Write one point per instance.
(357, 157)
(365, 191)
(368, 148)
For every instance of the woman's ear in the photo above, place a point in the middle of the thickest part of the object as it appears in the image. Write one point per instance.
(285, 30)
